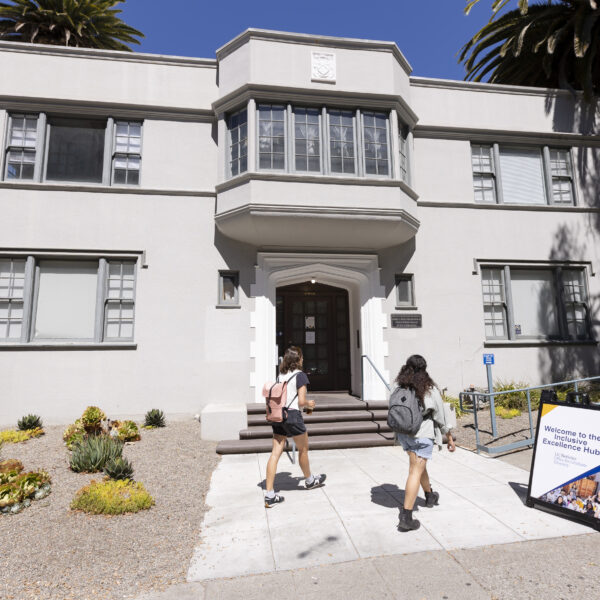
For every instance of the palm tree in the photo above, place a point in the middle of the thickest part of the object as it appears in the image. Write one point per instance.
(83, 23)
(555, 44)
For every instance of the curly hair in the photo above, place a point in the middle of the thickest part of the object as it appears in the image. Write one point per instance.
(413, 375)
(292, 360)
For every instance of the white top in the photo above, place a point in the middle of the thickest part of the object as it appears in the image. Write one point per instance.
(292, 388)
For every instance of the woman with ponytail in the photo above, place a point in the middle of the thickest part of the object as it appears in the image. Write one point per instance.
(414, 376)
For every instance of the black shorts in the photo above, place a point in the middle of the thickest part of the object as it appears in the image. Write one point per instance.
(293, 425)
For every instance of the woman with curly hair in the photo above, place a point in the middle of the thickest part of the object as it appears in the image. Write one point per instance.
(414, 376)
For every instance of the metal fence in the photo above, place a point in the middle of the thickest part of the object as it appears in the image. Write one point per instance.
(476, 398)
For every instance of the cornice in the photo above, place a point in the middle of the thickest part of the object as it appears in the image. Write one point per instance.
(241, 95)
(318, 179)
(112, 109)
(504, 135)
(95, 53)
(313, 40)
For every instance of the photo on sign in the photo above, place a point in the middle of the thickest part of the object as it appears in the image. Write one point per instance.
(582, 496)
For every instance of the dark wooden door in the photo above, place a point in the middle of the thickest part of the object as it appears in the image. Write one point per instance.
(315, 317)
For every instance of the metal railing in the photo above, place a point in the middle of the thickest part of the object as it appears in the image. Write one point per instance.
(362, 376)
(476, 397)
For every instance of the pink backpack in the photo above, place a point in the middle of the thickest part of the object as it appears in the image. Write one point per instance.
(275, 395)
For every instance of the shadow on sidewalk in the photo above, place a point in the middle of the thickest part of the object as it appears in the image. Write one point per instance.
(284, 482)
(389, 495)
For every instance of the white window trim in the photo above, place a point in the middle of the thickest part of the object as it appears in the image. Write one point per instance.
(412, 304)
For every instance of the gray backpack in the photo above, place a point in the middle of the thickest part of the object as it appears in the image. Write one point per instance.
(404, 414)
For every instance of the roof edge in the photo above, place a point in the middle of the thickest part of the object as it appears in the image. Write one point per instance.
(317, 40)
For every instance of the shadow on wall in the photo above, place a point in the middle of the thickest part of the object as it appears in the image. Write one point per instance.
(576, 242)
(238, 257)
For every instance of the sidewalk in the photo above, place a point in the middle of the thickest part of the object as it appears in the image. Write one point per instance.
(355, 514)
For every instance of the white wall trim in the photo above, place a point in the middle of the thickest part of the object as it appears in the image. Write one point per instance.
(357, 273)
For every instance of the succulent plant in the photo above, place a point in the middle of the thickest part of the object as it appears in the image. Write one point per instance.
(155, 418)
(118, 468)
(112, 497)
(128, 431)
(11, 464)
(92, 453)
(14, 436)
(92, 418)
(73, 433)
(29, 422)
(17, 489)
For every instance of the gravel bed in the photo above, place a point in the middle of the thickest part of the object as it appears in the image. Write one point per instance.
(50, 552)
(509, 430)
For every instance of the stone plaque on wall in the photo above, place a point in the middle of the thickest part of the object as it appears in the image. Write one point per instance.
(322, 67)
(407, 321)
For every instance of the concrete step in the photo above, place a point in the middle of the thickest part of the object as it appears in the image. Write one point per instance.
(328, 416)
(320, 442)
(349, 403)
(313, 429)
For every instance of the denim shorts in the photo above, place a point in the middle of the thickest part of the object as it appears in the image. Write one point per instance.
(422, 447)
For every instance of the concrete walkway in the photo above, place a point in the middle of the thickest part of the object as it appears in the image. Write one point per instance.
(354, 516)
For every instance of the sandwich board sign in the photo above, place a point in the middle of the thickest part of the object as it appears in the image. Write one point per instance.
(565, 469)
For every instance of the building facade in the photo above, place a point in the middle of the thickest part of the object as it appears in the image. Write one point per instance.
(170, 224)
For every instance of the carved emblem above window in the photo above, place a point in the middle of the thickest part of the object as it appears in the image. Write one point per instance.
(323, 67)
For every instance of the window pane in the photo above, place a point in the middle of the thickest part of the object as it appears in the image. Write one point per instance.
(404, 291)
(76, 151)
(307, 139)
(481, 157)
(271, 141)
(534, 303)
(375, 143)
(341, 141)
(522, 176)
(66, 305)
(238, 143)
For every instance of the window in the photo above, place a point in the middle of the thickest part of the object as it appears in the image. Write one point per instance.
(341, 141)
(522, 175)
(405, 293)
(126, 157)
(375, 135)
(307, 139)
(483, 174)
(12, 284)
(271, 137)
(60, 300)
(75, 150)
(238, 142)
(48, 148)
(535, 303)
(403, 150)
(21, 147)
(228, 288)
(562, 176)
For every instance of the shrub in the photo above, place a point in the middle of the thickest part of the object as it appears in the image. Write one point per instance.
(507, 413)
(92, 418)
(11, 464)
(11, 436)
(118, 468)
(128, 431)
(92, 453)
(154, 418)
(18, 489)
(112, 497)
(29, 422)
(516, 400)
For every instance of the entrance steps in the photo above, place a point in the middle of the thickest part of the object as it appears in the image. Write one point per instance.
(338, 421)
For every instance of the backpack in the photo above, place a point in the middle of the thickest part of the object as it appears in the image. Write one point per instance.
(275, 395)
(404, 414)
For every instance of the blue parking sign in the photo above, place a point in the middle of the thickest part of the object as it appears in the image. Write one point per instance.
(488, 359)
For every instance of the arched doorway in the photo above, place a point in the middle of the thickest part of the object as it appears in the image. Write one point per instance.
(315, 317)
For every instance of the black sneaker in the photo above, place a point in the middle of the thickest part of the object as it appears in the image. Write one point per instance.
(273, 500)
(316, 482)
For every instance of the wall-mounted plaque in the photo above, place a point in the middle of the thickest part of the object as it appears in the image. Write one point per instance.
(322, 67)
(407, 321)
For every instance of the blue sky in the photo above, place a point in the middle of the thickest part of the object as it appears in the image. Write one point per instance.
(429, 32)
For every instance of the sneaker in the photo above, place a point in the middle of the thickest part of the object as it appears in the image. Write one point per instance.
(316, 482)
(276, 499)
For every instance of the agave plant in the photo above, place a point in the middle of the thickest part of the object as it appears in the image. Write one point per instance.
(29, 422)
(118, 468)
(154, 418)
(92, 453)
(84, 23)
